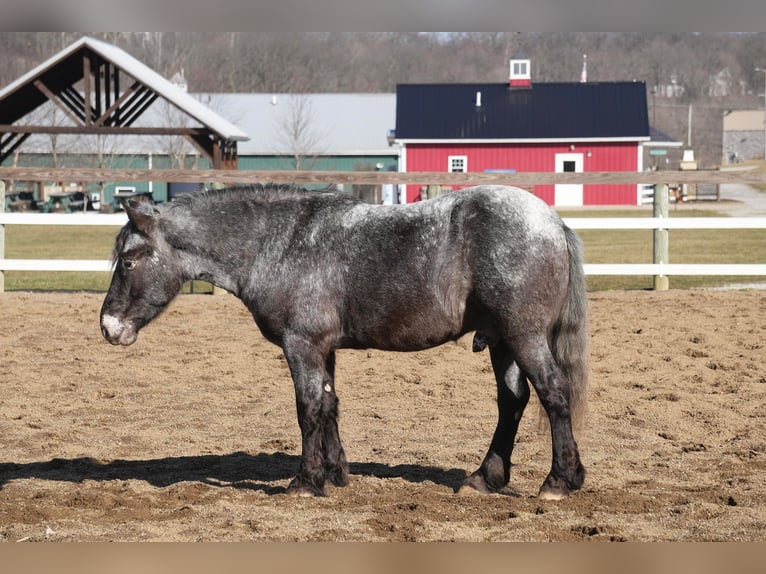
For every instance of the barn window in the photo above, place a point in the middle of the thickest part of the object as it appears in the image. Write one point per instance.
(458, 164)
(520, 69)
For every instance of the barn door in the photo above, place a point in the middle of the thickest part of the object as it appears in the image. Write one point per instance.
(568, 194)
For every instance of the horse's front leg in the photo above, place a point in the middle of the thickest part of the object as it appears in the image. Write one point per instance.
(336, 466)
(307, 367)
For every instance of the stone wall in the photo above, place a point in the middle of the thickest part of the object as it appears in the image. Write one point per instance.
(742, 146)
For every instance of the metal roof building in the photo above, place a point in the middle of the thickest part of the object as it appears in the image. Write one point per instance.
(335, 124)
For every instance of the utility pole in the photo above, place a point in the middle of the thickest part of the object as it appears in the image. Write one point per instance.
(764, 110)
(689, 128)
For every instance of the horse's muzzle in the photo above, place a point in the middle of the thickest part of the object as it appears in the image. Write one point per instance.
(116, 331)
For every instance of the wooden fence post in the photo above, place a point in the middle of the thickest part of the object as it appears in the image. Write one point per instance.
(660, 210)
(2, 235)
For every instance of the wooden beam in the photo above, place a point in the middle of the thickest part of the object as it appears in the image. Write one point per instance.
(130, 105)
(216, 154)
(97, 76)
(86, 88)
(115, 106)
(107, 72)
(116, 76)
(377, 177)
(6, 153)
(204, 145)
(141, 107)
(108, 130)
(52, 97)
(75, 101)
(229, 161)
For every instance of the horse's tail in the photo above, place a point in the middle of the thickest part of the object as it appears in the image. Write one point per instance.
(569, 342)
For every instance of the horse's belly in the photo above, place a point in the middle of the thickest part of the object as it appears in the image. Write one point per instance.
(417, 306)
(402, 331)
(400, 344)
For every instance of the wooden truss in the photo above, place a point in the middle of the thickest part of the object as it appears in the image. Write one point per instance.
(95, 102)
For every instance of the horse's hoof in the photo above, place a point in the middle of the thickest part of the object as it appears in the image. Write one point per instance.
(300, 493)
(474, 484)
(557, 491)
(547, 493)
(303, 490)
(337, 477)
(467, 490)
(555, 488)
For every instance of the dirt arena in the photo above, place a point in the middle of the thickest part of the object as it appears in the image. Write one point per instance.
(191, 434)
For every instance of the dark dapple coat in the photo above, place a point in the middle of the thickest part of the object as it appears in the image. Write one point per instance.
(323, 271)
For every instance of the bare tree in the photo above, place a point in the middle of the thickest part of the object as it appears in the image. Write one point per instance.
(378, 61)
(299, 136)
(177, 148)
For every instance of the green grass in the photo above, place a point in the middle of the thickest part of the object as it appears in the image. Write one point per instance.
(601, 246)
(63, 242)
(685, 246)
(58, 242)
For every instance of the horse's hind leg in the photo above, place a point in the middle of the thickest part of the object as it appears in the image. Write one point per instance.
(336, 466)
(567, 473)
(512, 398)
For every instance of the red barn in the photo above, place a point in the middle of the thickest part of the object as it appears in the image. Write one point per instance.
(520, 126)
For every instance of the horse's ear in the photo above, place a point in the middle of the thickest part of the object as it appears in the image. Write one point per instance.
(141, 214)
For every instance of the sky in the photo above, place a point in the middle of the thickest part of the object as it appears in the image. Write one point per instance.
(388, 15)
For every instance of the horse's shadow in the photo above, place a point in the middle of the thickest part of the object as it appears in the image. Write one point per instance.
(235, 470)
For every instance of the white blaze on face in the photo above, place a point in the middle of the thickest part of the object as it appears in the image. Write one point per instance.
(111, 324)
(116, 331)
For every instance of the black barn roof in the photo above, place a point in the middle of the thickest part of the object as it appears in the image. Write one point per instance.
(545, 111)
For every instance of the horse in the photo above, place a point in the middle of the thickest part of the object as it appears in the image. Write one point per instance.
(321, 271)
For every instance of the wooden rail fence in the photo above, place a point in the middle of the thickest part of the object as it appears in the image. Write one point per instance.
(303, 177)
(660, 223)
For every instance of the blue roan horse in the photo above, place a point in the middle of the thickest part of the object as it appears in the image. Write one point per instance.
(321, 271)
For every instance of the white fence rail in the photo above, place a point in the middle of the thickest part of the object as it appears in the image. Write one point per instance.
(69, 219)
(669, 269)
(649, 223)
(666, 222)
(89, 218)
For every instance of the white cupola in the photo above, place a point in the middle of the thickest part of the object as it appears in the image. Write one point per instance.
(521, 75)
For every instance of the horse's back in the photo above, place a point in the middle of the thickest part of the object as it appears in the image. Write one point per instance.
(512, 210)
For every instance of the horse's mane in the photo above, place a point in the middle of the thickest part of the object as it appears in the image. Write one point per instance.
(256, 193)
(207, 199)
(119, 242)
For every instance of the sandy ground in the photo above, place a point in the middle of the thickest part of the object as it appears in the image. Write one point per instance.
(191, 434)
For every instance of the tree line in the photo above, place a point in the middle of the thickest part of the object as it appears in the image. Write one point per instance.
(695, 76)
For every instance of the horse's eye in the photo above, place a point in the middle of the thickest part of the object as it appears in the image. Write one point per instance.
(129, 264)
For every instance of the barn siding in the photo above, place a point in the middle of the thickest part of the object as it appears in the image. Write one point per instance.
(322, 163)
(607, 156)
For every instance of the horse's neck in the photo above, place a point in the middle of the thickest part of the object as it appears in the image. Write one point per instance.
(204, 245)
(224, 249)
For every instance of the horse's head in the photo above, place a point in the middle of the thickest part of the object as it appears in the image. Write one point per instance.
(146, 277)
